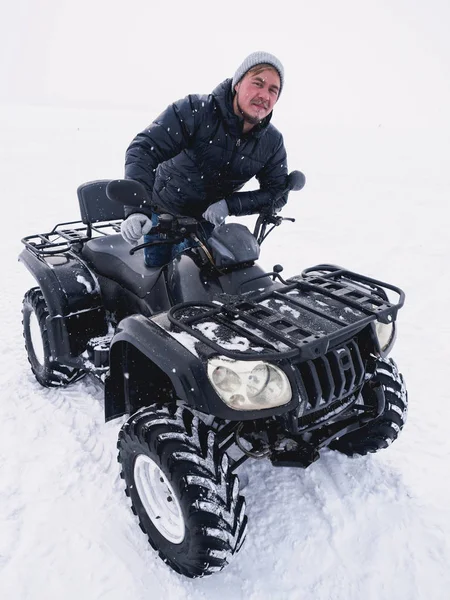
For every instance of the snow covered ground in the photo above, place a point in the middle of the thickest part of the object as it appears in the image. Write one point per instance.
(376, 527)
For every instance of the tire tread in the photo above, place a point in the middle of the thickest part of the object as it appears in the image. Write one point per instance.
(208, 490)
(384, 430)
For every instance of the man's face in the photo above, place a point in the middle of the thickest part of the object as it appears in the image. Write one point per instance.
(256, 95)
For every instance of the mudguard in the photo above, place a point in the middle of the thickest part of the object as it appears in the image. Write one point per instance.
(72, 294)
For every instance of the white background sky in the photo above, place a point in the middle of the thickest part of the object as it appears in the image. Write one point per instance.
(353, 61)
(373, 74)
(364, 114)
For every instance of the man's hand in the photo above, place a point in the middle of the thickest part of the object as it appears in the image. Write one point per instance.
(134, 227)
(217, 212)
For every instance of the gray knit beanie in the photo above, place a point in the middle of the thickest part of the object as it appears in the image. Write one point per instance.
(258, 58)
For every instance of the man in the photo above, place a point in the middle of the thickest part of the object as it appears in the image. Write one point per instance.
(197, 155)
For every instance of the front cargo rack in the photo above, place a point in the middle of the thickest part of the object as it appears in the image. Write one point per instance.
(295, 321)
(64, 235)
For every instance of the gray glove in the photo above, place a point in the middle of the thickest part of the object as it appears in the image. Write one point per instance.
(134, 227)
(217, 212)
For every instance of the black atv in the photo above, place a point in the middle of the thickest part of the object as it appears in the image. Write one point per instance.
(215, 360)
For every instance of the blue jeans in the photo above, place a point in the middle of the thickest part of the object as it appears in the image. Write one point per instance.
(161, 254)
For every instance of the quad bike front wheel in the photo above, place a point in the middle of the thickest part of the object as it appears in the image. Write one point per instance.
(182, 490)
(48, 372)
(382, 431)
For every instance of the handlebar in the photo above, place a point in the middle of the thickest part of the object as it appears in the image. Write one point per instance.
(263, 221)
(295, 181)
(175, 229)
(130, 192)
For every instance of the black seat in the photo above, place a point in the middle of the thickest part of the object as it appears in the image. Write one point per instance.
(110, 256)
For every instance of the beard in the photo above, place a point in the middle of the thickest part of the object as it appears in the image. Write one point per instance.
(253, 120)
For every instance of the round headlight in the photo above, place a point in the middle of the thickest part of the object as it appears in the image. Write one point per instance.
(385, 334)
(225, 379)
(249, 385)
(257, 380)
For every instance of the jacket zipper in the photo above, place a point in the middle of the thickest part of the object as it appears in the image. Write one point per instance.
(233, 154)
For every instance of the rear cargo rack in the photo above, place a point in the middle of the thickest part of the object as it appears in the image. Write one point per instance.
(64, 235)
(296, 321)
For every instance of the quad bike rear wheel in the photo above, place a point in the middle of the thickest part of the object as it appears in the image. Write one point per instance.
(48, 372)
(182, 489)
(381, 432)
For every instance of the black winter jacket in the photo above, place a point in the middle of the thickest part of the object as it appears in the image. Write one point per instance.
(195, 153)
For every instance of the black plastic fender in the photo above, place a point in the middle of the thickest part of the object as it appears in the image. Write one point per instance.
(184, 370)
(166, 360)
(72, 294)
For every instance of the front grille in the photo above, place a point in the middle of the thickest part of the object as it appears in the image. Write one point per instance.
(332, 377)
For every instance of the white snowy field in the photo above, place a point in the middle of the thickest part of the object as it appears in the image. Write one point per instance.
(375, 527)
(364, 114)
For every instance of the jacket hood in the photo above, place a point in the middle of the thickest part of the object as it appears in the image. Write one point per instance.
(223, 95)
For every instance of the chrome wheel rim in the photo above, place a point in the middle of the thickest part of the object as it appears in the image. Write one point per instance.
(159, 499)
(36, 339)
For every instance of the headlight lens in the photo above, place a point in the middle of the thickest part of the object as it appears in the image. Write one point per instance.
(258, 380)
(249, 385)
(225, 379)
(385, 334)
